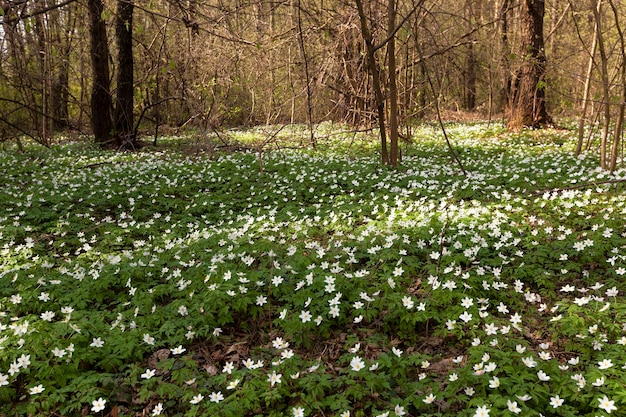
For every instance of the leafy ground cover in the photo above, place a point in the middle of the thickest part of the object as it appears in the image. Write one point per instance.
(164, 283)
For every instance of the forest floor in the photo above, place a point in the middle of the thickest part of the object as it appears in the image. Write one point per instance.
(252, 274)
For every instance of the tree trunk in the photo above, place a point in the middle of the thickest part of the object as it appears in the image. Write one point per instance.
(100, 89)
(504, 61)
(378, 93)
(60, 86)
(528, 108)
(619, 123)
(606, 87)
(124, 106)
(587, 88)
(393, 87)
(469, 101)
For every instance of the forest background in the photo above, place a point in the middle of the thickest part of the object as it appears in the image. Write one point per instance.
(121, 69)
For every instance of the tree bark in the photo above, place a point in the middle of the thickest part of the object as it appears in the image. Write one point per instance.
(470, 63)
(393, 85)
(505, 51)
(100, 89)
(378, 93)
(606, 87)
(619, 123)
(124, 106)
(528, 107)
(587, 88)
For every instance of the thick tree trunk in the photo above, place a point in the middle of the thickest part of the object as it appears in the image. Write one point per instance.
(528, 107)
(100, 89)
(124, 106)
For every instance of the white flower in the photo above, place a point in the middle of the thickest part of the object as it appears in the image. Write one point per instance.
(430, 398)
(196, 399)
(399, 410)
(47, 316)
(396, 351)
(598, 382)
(233, 384)
(148, 374)
(357, 364)
(605, 364)
(407, 302)
(556, 401)
(98, 405)
(178, 350)
(97, 342)
(59, 353)
(466, 317)
(305, 316)
(274, 378)
(467, 302)
(494, 382)
(482, 411)
(529, 362)
(36, 389)
(158, 409)
(512, 405)
(606, 404)
(228, 367)
(4, 380)
(543, 376)
(491, 329)
(216, 397)
(23, 361)
(148, 339)
(298, 412)
(14, 368)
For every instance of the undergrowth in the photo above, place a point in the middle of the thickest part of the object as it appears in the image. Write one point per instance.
(292, 281)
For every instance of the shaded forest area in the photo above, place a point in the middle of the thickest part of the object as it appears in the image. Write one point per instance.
(124, 69)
